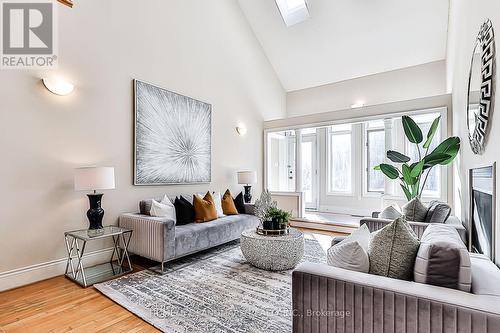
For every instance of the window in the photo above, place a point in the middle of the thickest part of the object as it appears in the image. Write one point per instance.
(293, 11)
(433, 185)
(340, 159)
(375, 154)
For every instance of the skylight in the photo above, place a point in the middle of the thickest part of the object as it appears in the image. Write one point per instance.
(293, 11)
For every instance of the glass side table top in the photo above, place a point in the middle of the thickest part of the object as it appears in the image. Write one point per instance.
(107, 231)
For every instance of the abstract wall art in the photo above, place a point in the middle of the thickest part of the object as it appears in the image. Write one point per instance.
(172, 137)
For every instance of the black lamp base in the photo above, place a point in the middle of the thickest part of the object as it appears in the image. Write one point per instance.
(95, 213)
(248, 193)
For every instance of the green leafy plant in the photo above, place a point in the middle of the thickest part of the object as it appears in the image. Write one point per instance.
(410, 173)
(280, 215)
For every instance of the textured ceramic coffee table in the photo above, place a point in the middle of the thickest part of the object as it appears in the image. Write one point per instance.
(273, 253)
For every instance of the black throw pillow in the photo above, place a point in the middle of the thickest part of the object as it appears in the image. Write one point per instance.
(184, 211)
(239, 203)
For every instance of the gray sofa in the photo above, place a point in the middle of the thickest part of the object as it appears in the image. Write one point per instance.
(160, 239)
(329, 299)
(375, 223)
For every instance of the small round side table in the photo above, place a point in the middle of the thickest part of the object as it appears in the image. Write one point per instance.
(273, 253)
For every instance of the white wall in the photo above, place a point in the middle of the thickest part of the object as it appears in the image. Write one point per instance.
(466, 18)
(203, 49)
(399, 85)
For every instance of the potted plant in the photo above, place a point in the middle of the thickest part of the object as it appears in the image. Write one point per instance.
(280, 218)
(263, 206)
(410, 173)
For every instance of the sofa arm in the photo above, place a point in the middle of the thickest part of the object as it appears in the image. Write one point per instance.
(457, 224)
(328, 299)
(152, 237)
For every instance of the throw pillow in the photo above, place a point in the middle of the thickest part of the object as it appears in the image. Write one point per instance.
(391, 213)
(228, 206)
(204, 208)
(240, 203)
(349, 256)
(184, 211)
(438, 212)
(443, 259)
(165, 208)
(218, 204)
(351, 252)
(392, 250)
(217, 201)
(414, 210)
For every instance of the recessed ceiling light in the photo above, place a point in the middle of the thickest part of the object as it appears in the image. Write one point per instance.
(293, 11)
(357, 105)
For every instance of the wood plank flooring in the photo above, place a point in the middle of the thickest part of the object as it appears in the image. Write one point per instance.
(59, 305)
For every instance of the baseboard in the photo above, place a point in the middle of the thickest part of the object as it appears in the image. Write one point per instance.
(29, 274)
(346, 210)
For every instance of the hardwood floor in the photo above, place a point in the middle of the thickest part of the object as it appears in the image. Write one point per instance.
(59, 305)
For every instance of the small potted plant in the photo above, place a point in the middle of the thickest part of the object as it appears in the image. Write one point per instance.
(279, 217)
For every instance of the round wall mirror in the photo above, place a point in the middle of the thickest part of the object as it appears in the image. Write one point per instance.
(481, 93)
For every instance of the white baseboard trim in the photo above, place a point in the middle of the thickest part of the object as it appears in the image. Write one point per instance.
(346, 210)
(25, 275)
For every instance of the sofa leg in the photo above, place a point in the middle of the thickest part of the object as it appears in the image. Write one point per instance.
(162, 267)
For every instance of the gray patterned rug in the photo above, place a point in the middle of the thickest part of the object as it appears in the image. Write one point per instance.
(214, 291)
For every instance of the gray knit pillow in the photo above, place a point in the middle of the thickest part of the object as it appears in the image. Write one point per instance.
(393, 250)
(415, 211)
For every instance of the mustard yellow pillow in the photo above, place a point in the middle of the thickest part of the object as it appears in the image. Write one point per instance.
(228, 206)
(204, 208)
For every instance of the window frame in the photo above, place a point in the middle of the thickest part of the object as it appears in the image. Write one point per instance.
(330, 134)
(366, 158)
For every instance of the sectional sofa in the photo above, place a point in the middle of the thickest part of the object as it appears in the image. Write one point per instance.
(333, 300)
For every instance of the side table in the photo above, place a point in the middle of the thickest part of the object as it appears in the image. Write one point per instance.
(87, 276)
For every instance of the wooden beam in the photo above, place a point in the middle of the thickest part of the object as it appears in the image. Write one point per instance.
(68, 3)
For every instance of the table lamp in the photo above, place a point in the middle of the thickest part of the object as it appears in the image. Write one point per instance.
(247, 177)
(93, 179)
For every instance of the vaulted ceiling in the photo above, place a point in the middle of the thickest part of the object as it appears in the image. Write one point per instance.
(346, 39)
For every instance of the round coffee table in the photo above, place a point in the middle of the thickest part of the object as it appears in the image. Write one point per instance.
(273, 253)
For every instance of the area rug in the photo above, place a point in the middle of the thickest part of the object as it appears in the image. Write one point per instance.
(214, 291)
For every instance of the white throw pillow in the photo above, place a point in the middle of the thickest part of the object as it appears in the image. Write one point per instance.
(351, 253)
(361, 235)
(391, 212)
(349, 256)
(165, 208)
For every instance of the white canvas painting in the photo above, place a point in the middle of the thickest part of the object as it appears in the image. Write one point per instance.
(172, 137)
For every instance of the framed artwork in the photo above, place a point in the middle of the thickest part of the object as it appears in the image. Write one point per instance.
(172, 137)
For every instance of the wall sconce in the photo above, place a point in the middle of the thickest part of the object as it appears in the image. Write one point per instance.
(358, 104)
(58, 86)
(241, 130)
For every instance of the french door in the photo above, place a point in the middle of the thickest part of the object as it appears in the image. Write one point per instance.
(309, 161)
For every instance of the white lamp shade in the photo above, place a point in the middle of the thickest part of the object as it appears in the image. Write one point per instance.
(247, 177)
(93, 178)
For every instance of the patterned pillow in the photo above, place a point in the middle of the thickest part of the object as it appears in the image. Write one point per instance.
(392, 250)
(415, 211)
